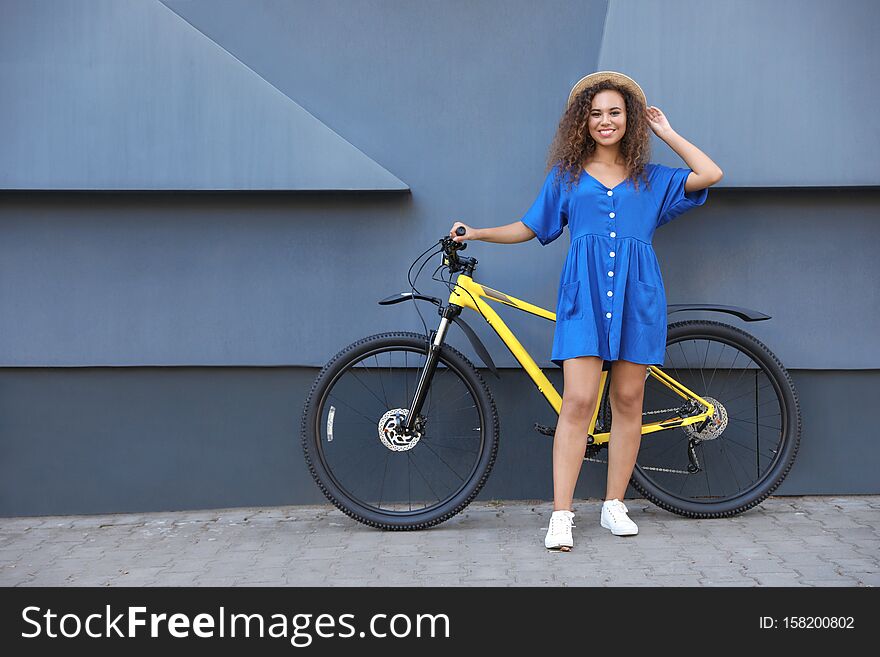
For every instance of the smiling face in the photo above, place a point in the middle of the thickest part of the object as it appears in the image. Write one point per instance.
(607, 112)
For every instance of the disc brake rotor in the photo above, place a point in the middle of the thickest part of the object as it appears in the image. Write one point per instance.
(391, 431)
(714, 427)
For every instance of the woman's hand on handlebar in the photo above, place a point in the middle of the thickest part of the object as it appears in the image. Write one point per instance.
(469, 234)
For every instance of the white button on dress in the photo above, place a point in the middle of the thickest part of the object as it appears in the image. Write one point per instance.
(611, 254)
(611, 214)
(610, 193)
(610, 293)
(613, 234)
(611, 273)
(608, 315)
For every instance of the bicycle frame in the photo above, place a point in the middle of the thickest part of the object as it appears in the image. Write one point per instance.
(467, 293)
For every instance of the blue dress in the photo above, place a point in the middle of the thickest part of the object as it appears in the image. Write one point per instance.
(611, 301)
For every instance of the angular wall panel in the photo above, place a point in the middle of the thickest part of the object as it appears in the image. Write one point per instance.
(777, 93)
(125, 94)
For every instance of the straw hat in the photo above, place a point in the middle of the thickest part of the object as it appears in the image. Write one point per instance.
(619, 78)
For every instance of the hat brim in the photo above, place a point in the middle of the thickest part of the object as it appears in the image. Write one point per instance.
(599, 76)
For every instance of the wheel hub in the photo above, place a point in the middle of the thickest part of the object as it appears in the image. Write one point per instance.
(714, 427)
(392, 433)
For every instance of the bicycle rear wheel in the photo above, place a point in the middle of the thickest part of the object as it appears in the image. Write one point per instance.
(745, 451)
(360, 457)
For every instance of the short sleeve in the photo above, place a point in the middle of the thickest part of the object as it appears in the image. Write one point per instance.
(548, 215)
(675, 201)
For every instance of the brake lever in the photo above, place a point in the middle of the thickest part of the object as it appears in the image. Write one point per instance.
(450, 244)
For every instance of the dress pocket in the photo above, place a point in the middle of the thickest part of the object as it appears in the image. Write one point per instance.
(571, 306)
(643, 303)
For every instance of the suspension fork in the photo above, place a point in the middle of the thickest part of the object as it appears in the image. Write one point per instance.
(434, 344)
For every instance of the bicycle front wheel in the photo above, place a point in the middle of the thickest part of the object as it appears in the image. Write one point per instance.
(358, 453)
(748, 446)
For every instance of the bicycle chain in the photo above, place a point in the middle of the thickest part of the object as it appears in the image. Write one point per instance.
(662, 410)
(649, 467)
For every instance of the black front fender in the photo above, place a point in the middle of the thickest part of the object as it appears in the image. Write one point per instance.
(406, 296)
(472, 337)
(478, 346)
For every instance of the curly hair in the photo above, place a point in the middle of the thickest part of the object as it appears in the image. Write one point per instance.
(573, 145)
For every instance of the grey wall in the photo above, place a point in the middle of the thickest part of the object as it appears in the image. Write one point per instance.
(348, 137)
(247, 279)
(102, 440)
(780, 92)
(457, 99)
(123, 94)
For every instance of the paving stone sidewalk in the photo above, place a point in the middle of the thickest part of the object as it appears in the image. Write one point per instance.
(800, 541)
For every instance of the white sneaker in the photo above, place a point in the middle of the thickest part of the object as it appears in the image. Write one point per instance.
(559, 531)
(614, 518)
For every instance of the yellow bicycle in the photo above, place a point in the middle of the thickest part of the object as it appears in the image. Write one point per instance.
(400, 430)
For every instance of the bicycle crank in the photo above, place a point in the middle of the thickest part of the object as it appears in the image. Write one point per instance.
(393, 434)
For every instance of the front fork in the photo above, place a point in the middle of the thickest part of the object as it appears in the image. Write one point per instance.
(434, 342)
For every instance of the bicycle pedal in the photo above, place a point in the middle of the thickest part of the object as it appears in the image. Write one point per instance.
(547, 431)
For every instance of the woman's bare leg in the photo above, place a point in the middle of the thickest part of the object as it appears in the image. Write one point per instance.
(581, 388)
(627, 396)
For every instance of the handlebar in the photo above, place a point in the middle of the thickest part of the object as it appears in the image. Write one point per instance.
(450, 248)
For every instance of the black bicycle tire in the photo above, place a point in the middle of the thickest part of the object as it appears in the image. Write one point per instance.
(790, 441)
(309, 433)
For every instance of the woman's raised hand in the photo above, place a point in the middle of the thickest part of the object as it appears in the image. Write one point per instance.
(657, 121)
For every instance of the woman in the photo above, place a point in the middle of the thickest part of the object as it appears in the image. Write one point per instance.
(611, 303)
